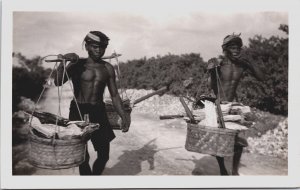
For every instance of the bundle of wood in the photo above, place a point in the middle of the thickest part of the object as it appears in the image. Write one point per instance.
(234, 115)
(49, 118)
(70, 130)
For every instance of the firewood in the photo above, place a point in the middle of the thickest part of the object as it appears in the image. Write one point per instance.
(50, 118)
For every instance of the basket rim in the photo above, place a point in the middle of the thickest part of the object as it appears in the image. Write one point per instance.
(213, 129)
(42, 140)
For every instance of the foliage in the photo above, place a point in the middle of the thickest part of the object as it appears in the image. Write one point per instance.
(270, 95)
(28, 78)
(156, 72)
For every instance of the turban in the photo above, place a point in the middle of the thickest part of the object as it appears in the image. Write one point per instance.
(96, 37)
(232, 39)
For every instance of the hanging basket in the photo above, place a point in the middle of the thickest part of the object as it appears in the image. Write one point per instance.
(210, 140)
(113, 117)
(56, 153)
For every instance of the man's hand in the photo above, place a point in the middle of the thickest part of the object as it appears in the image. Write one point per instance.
(126, 121)
(242, 59)
(213, 63)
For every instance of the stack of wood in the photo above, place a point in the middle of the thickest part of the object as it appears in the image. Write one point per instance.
(47, 125)
(234, 115)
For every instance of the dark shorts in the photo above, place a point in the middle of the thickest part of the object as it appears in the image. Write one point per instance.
(97, 114)
(240, 139)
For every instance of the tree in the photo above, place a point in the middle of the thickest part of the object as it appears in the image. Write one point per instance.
(28, 80)
(272, 54)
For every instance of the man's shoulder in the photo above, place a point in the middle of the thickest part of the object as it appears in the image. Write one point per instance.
(215, 62)
(109, 66)
(80, 63)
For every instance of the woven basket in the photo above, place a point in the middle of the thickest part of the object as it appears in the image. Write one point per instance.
(113, 116)
(56, 153)
(210, 140)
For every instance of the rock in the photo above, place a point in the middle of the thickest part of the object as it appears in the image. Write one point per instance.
(273, 143)
(21, 115)
(26, 104)
(236, 118)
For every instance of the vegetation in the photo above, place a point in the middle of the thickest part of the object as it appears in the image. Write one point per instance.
(28, 80)
(271, 54)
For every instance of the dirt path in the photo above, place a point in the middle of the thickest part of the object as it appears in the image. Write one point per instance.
(156, 147)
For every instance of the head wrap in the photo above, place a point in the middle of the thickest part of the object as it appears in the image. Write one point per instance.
(232, 39)
(96, 37)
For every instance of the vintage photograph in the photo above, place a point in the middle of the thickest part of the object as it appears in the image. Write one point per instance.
(143, 92)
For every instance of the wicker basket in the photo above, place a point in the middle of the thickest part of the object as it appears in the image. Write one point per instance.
(113, 118)
(56, 153)
(210, 140)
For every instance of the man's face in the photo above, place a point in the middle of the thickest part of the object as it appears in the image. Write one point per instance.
(234, 50)
(95, 51)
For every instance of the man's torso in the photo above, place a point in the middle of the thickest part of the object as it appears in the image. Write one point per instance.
(230, 75)
(89, 81)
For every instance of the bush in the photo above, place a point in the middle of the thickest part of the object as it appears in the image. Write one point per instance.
(28, 80)
(270, 95)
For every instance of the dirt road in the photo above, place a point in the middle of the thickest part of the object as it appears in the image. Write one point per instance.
(156, 147)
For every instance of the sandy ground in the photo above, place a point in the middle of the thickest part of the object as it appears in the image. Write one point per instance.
(156, 147)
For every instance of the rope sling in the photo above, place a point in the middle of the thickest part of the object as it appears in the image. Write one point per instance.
(59, 91)
(56, 153)
(119, 76)
(218, 98)
(216, 141)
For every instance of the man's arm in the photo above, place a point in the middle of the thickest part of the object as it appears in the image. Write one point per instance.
(213, 65)
(116, 99)
(257, 73)
(59, 73)
(253, 68)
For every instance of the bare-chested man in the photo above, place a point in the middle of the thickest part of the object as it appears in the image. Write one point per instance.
(90, 76)
(230, 70)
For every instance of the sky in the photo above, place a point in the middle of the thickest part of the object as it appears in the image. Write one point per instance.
(136, 34)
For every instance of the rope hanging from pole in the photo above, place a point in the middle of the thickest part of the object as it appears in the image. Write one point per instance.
(218, 100)
(59, 91)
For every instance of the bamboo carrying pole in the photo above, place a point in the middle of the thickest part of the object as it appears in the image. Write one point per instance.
(170, 116)
(161, 90)
(218, 101)
(187, 110)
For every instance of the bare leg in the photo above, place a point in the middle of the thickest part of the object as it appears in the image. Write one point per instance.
(84, 168)
(238, 150)
(102, 158)
(222, 167)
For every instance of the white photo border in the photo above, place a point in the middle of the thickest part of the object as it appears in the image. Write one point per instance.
(39, 182)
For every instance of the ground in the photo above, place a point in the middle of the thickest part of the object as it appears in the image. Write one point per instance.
(151, 147)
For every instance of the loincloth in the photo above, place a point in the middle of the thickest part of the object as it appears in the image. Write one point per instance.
(97, 114)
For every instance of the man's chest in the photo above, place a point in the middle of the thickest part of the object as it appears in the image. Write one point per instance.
(231, 71)
(94, 72)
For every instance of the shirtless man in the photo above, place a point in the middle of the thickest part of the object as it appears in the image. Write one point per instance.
(230, 70)
(90, 76)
